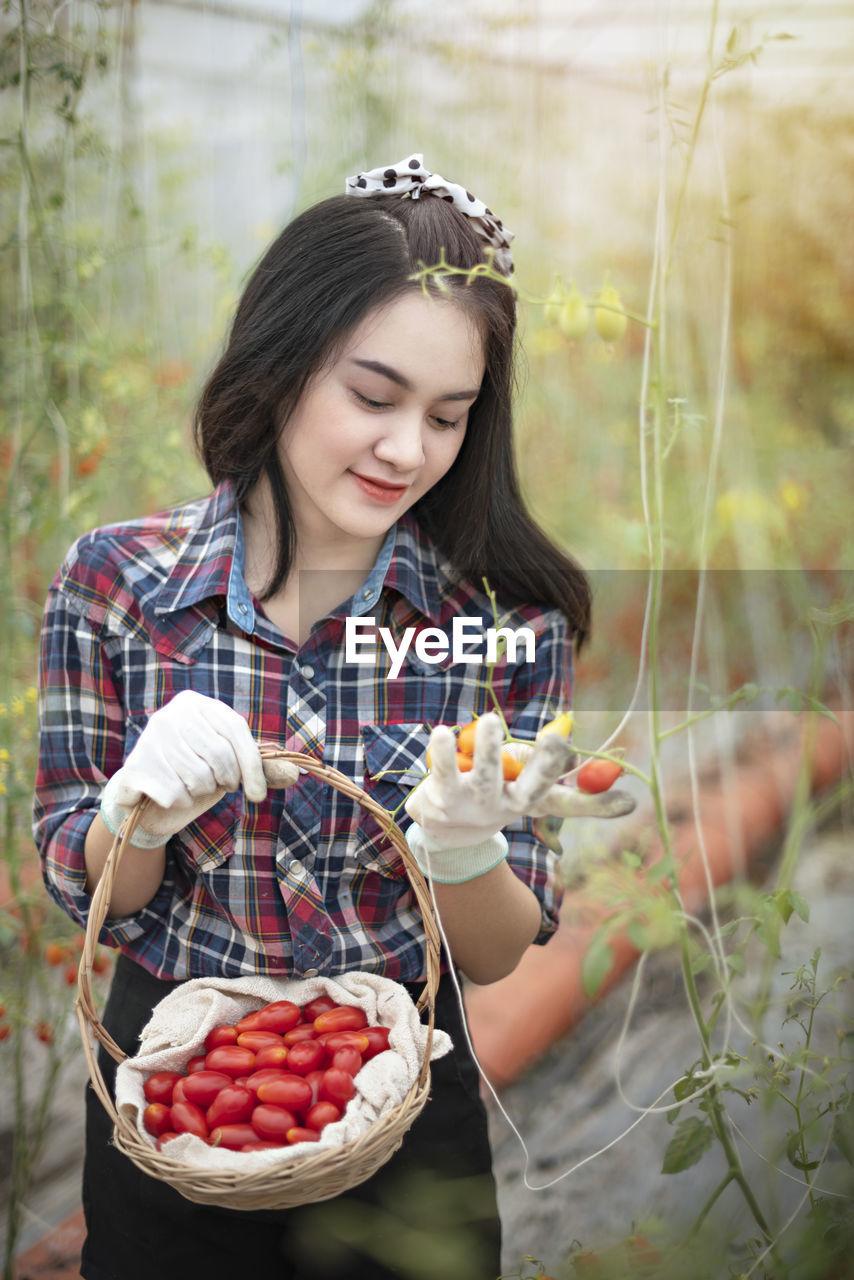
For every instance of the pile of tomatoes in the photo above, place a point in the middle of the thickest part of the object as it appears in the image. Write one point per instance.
(274, 1078)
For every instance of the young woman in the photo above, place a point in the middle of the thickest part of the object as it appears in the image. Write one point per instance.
(357, 432)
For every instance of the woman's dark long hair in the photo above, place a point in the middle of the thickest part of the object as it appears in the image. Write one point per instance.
(328, 269)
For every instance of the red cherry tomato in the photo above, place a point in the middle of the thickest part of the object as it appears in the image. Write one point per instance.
(263, 1144)
(322, 1114)
(316, 1007)
(271, 1055)
(344, 1018)
(196, 1064)
(292, 1092)
(233, 1059)
(231, 1105)
(347, 1059)
(256, 1040)
(377, 1038)
(166, 1137)
(203, 1086)
(332, 1041)
(248, 1023)
(258, 1078)
(314, 1078)
(598, 775)
(220, 1035)
(337, 1086)
(305, 1031)
(307, 1056)
(157, 1119)
(158, 1087)
(279, 1016)
(178, 1094)
(188, 1118)
(272, 1122)
(298, 1134)
(233, 1136)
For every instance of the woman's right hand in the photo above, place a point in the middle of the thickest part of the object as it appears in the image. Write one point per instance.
(192, 751)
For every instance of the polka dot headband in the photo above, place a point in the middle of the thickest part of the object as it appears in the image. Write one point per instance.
(409, 177)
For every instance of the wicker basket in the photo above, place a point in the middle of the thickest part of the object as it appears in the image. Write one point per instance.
(318, 1175)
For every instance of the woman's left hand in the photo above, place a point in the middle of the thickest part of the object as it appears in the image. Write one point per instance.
(457, 809)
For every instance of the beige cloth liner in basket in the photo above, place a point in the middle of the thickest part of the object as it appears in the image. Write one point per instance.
(319, 1174)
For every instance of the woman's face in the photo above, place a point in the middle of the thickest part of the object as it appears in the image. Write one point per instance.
(375, 429)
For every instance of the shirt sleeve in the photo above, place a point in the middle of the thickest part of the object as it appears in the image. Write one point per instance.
(81, 744)
(540, 691)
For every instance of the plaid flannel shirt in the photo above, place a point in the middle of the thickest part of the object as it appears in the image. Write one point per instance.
(305, 882)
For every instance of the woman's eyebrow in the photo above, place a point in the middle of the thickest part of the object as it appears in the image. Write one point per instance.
(376, 366)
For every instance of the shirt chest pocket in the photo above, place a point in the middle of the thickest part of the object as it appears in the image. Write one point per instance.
(394, 764)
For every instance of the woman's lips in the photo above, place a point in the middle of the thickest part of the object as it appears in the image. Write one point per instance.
(378, 489)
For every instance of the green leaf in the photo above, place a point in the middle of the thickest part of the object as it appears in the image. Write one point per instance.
(769, 932)
(689, 1144)
(736, 962)
(793, 1152)
(820, 708)
(796, 700)
(684, 1088)
(801, 905)
(658, 871)
(638, 935)
(782, 900)
(597, 963)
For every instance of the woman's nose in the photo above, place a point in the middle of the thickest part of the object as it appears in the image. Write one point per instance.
(401, 443)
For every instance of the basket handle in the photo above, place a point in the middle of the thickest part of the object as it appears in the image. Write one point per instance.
(87, 1015)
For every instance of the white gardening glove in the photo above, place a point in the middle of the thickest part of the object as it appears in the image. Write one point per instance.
(191, 752)
(456, 834)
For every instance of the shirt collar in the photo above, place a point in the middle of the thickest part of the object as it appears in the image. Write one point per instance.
(211, 563)
(205, 557)
(415, 570)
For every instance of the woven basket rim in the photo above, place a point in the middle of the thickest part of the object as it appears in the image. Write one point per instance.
(316, 1175)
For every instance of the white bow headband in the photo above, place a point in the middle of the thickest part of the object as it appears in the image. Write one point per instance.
(409, 177)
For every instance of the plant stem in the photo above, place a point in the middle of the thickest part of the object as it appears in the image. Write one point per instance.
(695, 134)
(710, 1203)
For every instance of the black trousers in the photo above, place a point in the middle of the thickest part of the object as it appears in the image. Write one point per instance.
(430, 1211)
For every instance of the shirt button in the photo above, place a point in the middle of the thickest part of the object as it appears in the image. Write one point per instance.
(243, 608)
(310, 973)
(307, 671)
(295, 865)
(368, 594)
